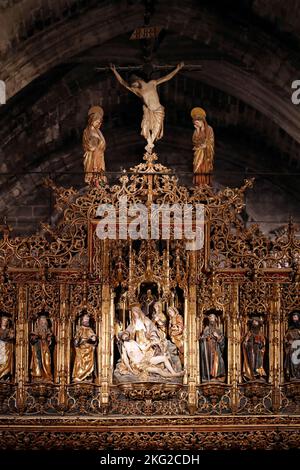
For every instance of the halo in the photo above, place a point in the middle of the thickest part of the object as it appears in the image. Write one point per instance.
(198, 113)
(96, 110)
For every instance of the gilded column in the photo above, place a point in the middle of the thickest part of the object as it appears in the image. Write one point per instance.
(68, 341)
(234, 339)
(275, 342)
(21, 348)
(191, 346)
(186, 339)
(105, 346)
(98, 320)
(111, 335)
(63, 357)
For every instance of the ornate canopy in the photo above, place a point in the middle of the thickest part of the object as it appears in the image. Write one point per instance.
(66, 268)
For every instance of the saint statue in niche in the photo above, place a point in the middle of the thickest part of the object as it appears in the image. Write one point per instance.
(292, 348)
(253, 351)
(147, 302)
(6, 347)
(212, 345)
(42, 344)
(85, 343)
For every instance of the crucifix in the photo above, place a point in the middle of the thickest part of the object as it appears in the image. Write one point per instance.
(153, 112)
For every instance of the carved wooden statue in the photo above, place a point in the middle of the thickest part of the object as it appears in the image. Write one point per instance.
(212, 344)
(147, 301)
(85, 342)
(42, 343)
(154, 112)
(176, 329)
(292, 348)
(6, 348)
(204, 148)
(253, 350)
(144, 352)
(94, 146)
(160, 319)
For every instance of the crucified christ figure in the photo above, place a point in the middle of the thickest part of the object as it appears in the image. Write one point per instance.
(154, 112)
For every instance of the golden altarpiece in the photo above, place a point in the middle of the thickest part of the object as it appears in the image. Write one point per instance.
(238, 273)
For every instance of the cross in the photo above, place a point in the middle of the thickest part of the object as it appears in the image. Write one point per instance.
(148, 68)
(150, 38)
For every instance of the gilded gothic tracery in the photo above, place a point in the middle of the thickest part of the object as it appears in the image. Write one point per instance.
(124, 328)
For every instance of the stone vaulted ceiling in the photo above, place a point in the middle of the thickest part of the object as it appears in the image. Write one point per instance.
(249, 52)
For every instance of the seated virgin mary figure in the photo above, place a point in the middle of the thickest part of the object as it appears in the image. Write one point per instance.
(144, 356)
